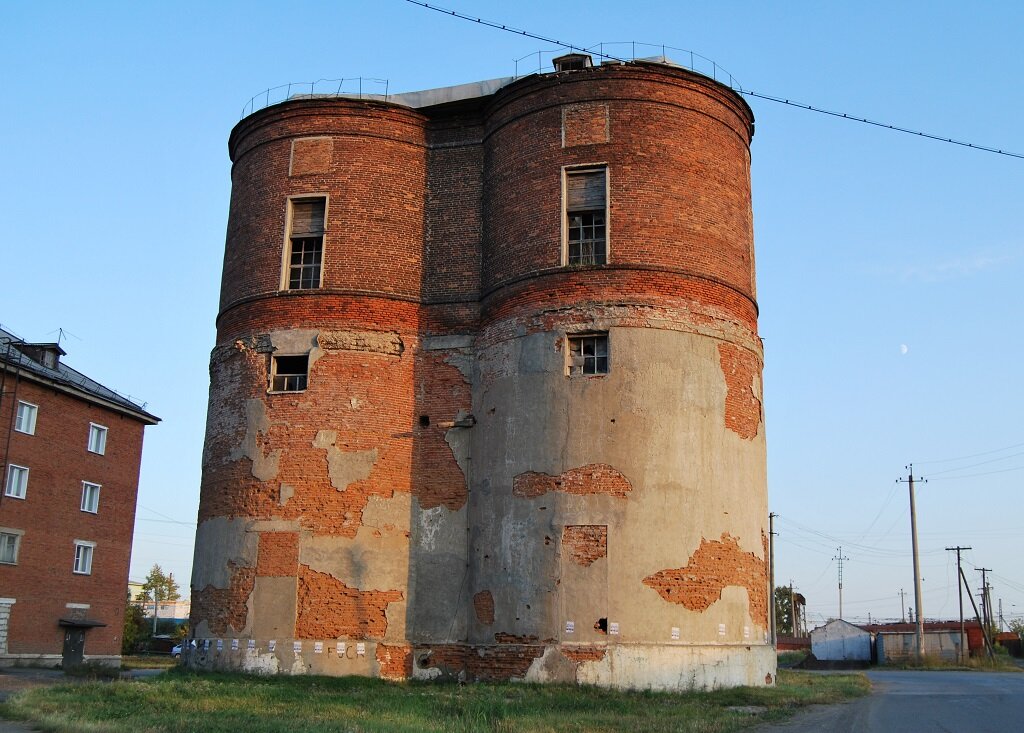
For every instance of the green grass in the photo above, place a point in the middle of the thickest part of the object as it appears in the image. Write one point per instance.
(148, 661)
(182, 701)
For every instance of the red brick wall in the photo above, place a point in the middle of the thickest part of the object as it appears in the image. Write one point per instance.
(51, 517)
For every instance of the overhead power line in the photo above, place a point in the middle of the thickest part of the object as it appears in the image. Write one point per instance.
(748, 92)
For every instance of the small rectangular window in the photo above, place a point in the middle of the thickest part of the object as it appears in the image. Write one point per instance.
(10, 542)
(97, 439)
(90, 497)
(305, 243)
(588, 354)
(289, 373)
(83, 557)
(25, 422)
(17, 481)
(586, 215)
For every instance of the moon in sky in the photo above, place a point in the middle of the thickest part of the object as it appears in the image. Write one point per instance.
(904, 349)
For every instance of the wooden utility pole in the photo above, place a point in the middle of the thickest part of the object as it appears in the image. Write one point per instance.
(986, 602)
(771, 578)
(918, 610)
(792, 610)
(984, 631)
(960, 594)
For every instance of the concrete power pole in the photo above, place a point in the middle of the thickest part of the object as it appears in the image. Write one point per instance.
(918, 610)
(960, 594)
(839, 557)
(771, 578)
(903, 608)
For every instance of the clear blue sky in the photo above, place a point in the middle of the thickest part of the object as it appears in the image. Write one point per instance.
(889, 266)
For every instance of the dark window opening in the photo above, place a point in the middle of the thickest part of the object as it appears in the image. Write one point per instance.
(290, 373)
(424, 421)
(601, 626)
(588, 355)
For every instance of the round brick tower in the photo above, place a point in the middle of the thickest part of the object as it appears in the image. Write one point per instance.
(486, 400)
(618, 492)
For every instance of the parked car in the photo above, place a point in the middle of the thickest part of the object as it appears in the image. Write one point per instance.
(176, 652)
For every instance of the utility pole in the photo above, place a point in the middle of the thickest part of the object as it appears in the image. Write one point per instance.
(792, 610)
(986, 608)
(960, 595)
(984, 631)
(918, 611)
(839, 557)
(903, 608)
(771, 578)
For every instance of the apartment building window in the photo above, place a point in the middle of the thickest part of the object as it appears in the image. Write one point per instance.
(97, 439)
(90, 497)
(10, 543)
(83, 557)
(25, 421)
(17, 481)
(305, 243)
(588, 354)
(289, 373)
(586, 216)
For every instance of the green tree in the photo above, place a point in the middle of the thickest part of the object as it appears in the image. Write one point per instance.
(783, 612)
(134, 627)
(159, 588)
(1017, 627)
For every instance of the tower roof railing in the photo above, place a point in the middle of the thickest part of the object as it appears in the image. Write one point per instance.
(537, 62)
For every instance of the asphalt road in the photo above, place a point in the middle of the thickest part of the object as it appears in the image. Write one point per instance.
(922, 702)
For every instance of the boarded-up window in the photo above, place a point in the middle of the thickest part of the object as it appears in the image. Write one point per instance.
(586, 216)
(306, 243)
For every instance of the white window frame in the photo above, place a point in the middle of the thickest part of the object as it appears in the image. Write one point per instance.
(91, 497)
(83, 557)
(574, 369)
(25, 422)
(286, 254)
(16, 488)
(97, 439)
(567, 172)
(10, 537)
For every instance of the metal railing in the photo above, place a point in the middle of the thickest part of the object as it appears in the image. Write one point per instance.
(359, 87)
(631, 51)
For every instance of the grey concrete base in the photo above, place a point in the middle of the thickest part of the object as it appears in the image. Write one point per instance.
(679, 667)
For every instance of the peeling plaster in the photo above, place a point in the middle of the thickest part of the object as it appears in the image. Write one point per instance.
(344, 467)
(459, 439)
(264, 467)
(430, 523)
(286, 493)
(377, 342)
(222, 541)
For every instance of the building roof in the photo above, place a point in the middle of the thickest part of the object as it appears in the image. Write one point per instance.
(40, 362)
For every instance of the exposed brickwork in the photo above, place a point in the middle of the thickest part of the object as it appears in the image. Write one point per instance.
(329, 609)
(594, 478)
(278, 554)
(742, 406)
(483, 604)
(311, 155)
(585, 543)
(502, 637)
(395, 661)
(580, 654)
(584, 124)
(481, 663)
(443, 391)
(224, 608)
(50, 515)
(713, 566)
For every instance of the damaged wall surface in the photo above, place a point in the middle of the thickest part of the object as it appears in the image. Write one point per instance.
(504, 459)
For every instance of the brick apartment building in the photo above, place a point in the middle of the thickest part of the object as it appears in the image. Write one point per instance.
(71, 455)
(485, 398)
